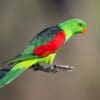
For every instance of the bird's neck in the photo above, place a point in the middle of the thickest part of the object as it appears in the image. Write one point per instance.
(67, 31)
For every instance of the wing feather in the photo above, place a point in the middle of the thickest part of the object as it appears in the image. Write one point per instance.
(40, 39)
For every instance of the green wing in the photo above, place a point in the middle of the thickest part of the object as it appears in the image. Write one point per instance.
(20, 58)
(40, 39)
(18, 69)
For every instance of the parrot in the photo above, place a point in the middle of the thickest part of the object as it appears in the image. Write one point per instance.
(42, 49)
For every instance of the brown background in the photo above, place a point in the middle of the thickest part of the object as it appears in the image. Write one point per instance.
(20, 20)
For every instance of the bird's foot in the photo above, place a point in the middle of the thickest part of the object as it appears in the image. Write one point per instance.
(49, 69)
(53, 68)
(38, 67)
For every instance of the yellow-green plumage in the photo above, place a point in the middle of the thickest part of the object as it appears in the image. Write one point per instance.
(28, 57)
(16, 71)
(21, 67)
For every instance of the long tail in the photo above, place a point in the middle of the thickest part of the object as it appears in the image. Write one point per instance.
(15, 71)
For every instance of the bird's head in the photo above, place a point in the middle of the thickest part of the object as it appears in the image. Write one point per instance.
(73, 26)
(76, 26)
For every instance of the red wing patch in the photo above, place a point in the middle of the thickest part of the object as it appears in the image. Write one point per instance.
(51, 46)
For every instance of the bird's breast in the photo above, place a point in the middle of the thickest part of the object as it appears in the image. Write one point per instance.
(51, 46)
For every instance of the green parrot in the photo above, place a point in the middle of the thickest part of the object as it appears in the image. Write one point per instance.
(42, 49)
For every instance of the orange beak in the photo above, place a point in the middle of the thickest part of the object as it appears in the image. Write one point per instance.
(83, 31)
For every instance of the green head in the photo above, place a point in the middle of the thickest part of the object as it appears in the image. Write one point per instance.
(72, 27)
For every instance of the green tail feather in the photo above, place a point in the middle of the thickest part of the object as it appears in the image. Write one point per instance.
(16, 71)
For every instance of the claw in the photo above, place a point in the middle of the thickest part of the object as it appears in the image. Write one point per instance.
(53, 68)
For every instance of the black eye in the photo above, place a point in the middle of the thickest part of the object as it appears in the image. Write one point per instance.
(80, 24)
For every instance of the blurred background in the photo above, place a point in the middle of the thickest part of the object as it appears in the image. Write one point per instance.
(20, 20)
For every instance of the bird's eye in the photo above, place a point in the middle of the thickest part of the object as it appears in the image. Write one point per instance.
(80, 24)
